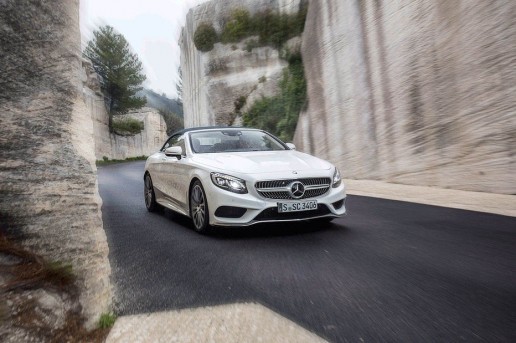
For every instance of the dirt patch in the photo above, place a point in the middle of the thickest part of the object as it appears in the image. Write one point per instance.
(39, 299)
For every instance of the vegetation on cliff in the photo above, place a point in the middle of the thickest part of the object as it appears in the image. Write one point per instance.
(120, 70)
(272, 28)
(205, 37)
(279, 114)
(127, 126)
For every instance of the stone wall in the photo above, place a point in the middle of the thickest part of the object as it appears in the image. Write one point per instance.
(113, 146)
(214, 80)
(48, 184)
(415, 92)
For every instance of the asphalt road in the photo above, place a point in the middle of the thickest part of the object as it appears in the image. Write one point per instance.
(389, 271)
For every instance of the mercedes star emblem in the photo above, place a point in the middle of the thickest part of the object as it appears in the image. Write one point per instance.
(297, 190)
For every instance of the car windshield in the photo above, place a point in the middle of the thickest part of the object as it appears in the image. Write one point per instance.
(216, 141)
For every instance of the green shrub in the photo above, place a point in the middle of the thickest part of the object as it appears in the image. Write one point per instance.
(205, 37)
(237, 28)
(107, 320)
(127, 126)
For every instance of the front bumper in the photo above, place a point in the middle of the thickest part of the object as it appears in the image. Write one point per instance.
(262, 210)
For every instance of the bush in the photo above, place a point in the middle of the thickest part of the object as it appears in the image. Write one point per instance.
(237, 28)
(127, 126)
(205, 37)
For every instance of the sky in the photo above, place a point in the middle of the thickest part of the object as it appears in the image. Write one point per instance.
(152, 28)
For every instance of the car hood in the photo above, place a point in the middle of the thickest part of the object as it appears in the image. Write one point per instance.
(256, 162)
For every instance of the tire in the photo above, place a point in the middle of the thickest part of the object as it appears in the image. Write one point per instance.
(148, 193)
(199, 208)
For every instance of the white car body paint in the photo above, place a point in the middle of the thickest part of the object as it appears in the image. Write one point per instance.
(173, 176)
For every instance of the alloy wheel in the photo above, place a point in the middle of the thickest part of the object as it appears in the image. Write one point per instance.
(199, 208)
(148, 193)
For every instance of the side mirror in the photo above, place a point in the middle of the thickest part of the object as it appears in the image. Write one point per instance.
(174, 151)
(291, 146)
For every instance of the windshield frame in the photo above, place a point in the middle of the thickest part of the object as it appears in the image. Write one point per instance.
(273, 138)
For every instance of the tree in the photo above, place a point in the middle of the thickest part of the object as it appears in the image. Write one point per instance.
(120, 71)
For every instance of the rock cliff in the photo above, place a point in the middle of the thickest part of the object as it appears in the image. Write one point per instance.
(213, 81)
(416, 92)
(113, 146)
(411, 92)
(48, 184)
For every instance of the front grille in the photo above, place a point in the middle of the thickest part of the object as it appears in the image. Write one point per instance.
(272, 213)
(279, 190)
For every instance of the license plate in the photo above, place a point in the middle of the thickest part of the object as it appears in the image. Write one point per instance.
(297, 206)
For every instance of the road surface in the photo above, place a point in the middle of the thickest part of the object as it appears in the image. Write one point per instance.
(389, 271)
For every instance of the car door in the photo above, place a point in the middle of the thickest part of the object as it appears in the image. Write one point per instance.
(174, 174)
(158, 170)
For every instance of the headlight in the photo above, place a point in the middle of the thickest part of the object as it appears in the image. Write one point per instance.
(336, 178)
(229, 183)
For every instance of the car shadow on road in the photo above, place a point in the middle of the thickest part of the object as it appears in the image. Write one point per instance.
(258, 230)
(274, 230)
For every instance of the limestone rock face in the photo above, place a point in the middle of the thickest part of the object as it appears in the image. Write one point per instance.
(113, 146)
(48, 184)
(213, 81)
(415, 92)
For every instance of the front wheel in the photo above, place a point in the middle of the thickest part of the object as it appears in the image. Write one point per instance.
(150, 197)
(199, 208)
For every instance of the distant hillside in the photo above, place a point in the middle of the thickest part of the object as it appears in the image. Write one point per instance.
(161, 102)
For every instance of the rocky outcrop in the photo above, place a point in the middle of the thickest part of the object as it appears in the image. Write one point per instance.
(415, 92)
(48, 184)
(215, 81)
(147, 142)
(112, 146)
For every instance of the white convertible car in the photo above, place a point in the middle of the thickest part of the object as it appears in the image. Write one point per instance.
(238, 177)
